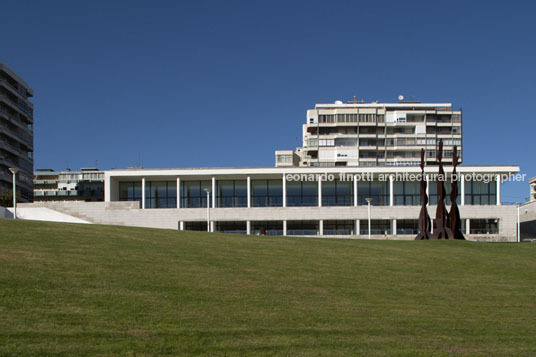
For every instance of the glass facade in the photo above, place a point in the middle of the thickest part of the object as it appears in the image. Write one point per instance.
(302, 193)
(434, 196)
(266, 193)
(480, 193)
(231, 227)
(161, 194)
(484, 226)
(346, 227)
(302, 228)
(407, 193)
(195, 226)
(377, 226)
(269, 228)
(231, 193)
(337, 193)
(377, 190)
(130, 191)
(407, 226)
(193, 193)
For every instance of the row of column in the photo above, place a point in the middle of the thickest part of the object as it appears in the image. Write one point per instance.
(357, 228)
(391, 191)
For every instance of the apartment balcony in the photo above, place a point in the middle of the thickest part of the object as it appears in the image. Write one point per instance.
(15, 91)
(23, 129)
(27, 112)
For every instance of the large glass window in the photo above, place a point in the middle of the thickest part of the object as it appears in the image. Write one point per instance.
(269, 228)
(339, 227)
(480, 193)
(377, 226)
(195, 226)
(231, 227)
(266, 193)
(484, 226)
(407, 193)
(130, 191)
(193, 193)
(377, 190)
(161, 194)
(407, 226)
(302, 228)
(337, 193)
(231, 193)
(434, 195)
(302, 193)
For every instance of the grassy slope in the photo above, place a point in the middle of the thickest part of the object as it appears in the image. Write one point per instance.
(89, 289)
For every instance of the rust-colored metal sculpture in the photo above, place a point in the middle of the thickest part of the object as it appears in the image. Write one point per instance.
(455, 222)
(424, 218)
(442, 230)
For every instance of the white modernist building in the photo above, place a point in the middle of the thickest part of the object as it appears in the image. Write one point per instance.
(329, 202)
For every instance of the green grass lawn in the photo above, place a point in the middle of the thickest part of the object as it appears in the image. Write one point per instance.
(68, 289)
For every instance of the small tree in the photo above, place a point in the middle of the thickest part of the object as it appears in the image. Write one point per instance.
(6, 198)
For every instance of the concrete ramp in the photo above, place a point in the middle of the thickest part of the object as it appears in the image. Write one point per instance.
(45, 214)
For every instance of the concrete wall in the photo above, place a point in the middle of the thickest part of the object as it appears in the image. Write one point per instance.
(129, 214)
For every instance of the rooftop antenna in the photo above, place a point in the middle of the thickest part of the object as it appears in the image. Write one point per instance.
(139, 159)
(355, 99)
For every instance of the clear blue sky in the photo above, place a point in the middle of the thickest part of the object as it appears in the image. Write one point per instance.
(225, 83)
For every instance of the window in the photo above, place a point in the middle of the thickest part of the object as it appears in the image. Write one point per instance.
(269, 228)
(377, 190)
(434, 195)
(267, 193)
(377, 226)
(130, 191)
(337, 193)
(302, 193)
(339, 227)
(407, 226)
(484, 226)
(193, 193)
(302, 228)
(195, 226)
(231, 193)
(407, 193)
(480, 193)
(231, 227)
(161, 194)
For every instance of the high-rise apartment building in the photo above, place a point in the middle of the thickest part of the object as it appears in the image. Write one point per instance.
(16, 133)
(375, 134)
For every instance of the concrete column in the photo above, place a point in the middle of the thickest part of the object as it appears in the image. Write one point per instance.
(284, 228)
(321, 227)
(393, 226)
(285, 195)
(211, 225)
(357, 227)
(319, 191)
(467, 226)
(391, 190)
(248, 227)
(355, 192)
(498, 190)
(462, 184)
(107, 187)
(143, 192)
(181, 225)
(249, 191)
(213, 194)
(178, 192)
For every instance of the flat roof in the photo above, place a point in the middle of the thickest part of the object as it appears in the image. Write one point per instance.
(382, 105)
(490, 169)
(15, 76)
